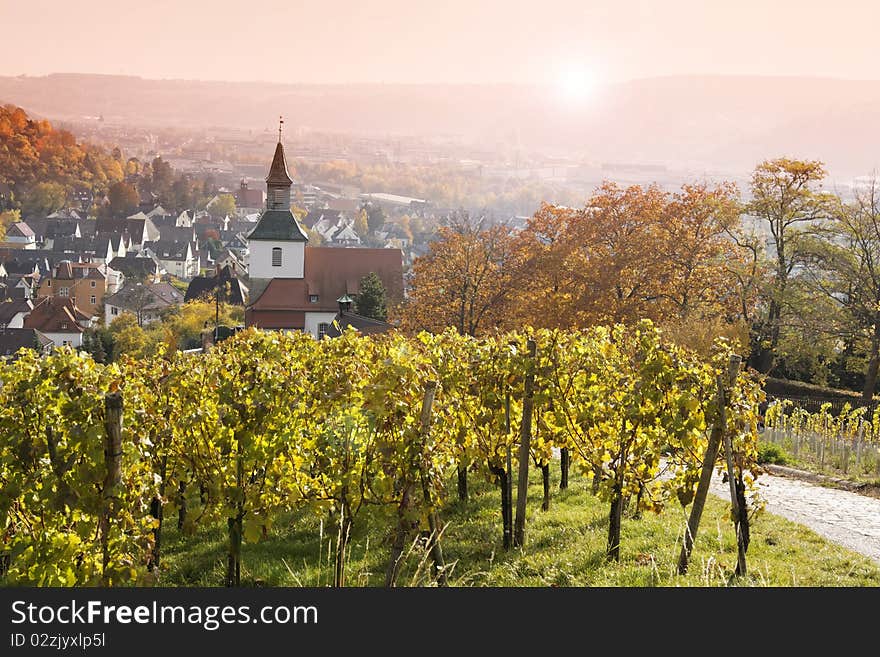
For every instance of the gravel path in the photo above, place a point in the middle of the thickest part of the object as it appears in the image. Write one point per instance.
(849, 519)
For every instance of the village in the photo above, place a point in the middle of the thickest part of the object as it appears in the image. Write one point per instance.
(64, 274)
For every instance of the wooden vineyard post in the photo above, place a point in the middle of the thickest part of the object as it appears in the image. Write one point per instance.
(734, 503)
(113, 476)
(433, 516)
(508, 482)
(859, 438)
(404, 520)
(519, 533)
(715, 436)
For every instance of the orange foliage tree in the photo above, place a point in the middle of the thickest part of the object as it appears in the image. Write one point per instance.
(465, 280)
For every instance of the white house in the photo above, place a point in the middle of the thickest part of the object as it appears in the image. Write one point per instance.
(20, 236)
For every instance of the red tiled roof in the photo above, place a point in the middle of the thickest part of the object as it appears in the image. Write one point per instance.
(332, 272)
(55, 315)
(276, 319)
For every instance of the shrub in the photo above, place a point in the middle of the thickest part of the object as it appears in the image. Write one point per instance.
(771, 453)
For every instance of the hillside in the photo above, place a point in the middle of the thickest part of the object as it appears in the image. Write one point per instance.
(712, 122)
(33, 152)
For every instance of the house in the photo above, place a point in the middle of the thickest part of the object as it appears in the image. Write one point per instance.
(139, 227)
(143, 266)
(86, 284)
(14, 339)
(296, 287)
(236, 243)
(248, 199)
(324, 216)
(145, 301)
(179, 234)
(60, 320)
(19, 265)
(346, 319)
(204, 287)
(20, 236)
(177, 258)
(14, 311)
(347, 236)
(229, 258)
(184, 220)
(157, 214)
(19, 287)
(68, 214)
(56, 227)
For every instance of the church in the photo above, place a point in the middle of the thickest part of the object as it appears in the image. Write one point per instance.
(297, 287)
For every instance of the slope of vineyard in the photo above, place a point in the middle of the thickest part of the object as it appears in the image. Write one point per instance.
(354, 432)
(566, 547)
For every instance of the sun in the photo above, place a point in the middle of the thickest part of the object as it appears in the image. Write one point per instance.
(575, 85)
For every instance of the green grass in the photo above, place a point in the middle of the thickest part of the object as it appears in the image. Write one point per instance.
(565, 546)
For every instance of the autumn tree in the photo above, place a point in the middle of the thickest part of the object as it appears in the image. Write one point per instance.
(787, 201)
(601, 264)
(43, 199)
(544, 298)
(8, 218)
(465, 279)
(361, 225)
(370, 300)
(124, 199)
(224, 206)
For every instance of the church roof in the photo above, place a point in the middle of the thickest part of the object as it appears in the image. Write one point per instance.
(331, 273)
(278, 171)
(278, 225)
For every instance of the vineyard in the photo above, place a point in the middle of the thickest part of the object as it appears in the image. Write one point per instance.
(96, 461)
(846, 442)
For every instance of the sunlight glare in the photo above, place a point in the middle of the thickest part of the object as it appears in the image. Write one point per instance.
(576, 85)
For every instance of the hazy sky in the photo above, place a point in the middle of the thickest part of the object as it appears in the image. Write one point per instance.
(439, 40)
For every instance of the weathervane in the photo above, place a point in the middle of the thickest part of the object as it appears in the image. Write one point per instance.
(280, 123)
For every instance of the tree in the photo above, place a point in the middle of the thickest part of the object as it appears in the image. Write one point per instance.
(845, 271)
(8, 218)
(465, 279)
(161, 178)
(129, 338)
(224, 206)
(361, 225)
(698, 252)
(185, 323)
(603, 264)
(44, 198)
(124, 199)
(137, 298)
(786, 199)
(370, 300)
(375, 217)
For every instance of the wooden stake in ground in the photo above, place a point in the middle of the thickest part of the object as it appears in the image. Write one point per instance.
(734, 507)
(433, 517)
(519, 532)
(708, 465)
(113, 476)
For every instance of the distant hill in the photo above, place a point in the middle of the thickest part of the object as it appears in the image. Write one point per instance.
(720, 123)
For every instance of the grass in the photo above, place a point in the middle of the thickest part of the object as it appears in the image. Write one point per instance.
(565, 546)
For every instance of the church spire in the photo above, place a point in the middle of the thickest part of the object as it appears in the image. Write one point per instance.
(278, 181)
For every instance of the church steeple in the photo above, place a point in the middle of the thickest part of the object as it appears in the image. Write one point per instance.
(278, 181)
